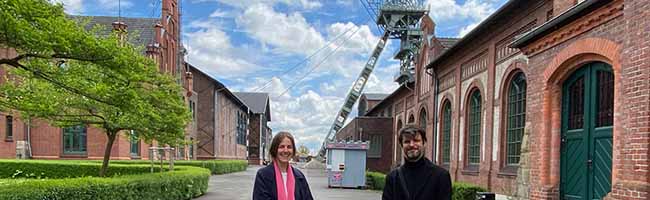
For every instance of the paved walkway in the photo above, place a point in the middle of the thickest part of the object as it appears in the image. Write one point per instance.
(240, 186)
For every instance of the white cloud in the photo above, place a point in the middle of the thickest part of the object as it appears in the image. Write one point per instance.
(113, 4)
(221, 14)
(210, 49)
(289, 33)
(71, 6)
(306, 4)
(362, 42)
(450, 9)
(465, 30)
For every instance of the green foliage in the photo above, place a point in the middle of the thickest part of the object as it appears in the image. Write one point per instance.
(72, 179)
(215, 166)
(183, 183)
(460, 191)
(465, 191)
(53, 169)
(377, 180)
(69, 76)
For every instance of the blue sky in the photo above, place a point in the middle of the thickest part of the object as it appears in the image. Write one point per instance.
(304, 53)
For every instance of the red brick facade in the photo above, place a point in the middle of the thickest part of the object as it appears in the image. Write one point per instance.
(217, 121)
(46, 140)
(612, 32)
(364, 129)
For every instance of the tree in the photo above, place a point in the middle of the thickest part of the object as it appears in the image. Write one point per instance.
(303, 150)
(69, 76)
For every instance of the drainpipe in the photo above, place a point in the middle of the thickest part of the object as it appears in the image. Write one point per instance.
(435, 113)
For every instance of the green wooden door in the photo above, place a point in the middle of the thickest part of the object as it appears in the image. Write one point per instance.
(587, 119)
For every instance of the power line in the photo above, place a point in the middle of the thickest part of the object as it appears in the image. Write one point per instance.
(319, 64)
(304, 60)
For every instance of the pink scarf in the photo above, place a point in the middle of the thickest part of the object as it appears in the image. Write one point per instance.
(279, 184)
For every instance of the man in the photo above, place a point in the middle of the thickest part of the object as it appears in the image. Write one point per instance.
(418, 178)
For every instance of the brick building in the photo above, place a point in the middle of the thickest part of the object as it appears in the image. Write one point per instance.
(222, 119)
(549, 100)
(542, 100)
(160, 39)
(410, 103)
(259, 136)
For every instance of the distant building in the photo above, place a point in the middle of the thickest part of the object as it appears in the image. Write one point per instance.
(259, 137)
(222, 119)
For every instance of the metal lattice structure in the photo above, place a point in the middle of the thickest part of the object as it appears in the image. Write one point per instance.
(399, 19)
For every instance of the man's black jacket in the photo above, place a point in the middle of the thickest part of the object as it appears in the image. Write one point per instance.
(423, 179)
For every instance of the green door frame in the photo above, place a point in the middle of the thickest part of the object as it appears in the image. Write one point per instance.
(586, 152)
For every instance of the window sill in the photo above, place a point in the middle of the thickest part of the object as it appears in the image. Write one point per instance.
(9, 139)
(470, 173)
(73, 155)
(508, 172)
(470, 170)
(136, 157)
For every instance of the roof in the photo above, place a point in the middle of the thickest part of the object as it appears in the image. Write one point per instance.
(220, 86)
(375, 96)
(141, 30)
(258, 102)
(559, 21)
(447, 42)
(485, 25)
(387, 99)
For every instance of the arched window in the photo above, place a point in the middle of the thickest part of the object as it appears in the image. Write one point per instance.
(446, 133)
(516, 118)
(474, 129)
(423, 119)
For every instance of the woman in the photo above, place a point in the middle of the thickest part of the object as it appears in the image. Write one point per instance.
(278, 180)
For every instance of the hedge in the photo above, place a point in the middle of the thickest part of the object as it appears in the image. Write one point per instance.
(73, 180)
(63, 169)
(465, 191)
(376, 180)
(215, 166)
(459, 190)
(182, 183)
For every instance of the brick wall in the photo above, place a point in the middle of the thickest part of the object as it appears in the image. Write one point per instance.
(254, 140)
(365, 127)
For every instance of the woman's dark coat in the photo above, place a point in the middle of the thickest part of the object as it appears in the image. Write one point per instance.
(265, 188)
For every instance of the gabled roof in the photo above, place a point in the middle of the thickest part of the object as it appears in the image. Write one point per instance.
(220, 86)
(447, 42)
(388, 98)
(141, 30)
(258, 102)
(375, 96)
(485, 26)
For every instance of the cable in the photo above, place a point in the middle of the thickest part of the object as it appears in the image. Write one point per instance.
(319, 64)
(303, 61)
(370, 15)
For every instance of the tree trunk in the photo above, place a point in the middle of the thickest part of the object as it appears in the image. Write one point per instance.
(107, 152)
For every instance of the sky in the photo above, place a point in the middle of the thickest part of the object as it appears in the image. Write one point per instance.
(305, 53)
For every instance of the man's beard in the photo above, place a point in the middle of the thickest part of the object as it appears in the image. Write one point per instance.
(414, 155)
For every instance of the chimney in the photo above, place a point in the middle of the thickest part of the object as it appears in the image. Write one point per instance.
(120, 28)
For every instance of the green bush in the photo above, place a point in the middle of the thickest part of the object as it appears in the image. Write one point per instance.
(459, 190)
(62, 169)
(465, 191)
(182, 183)
(376, 180)
(215, 166)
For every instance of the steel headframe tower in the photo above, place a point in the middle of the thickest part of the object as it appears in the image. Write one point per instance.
(400, 20)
